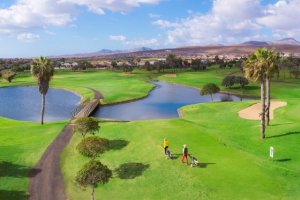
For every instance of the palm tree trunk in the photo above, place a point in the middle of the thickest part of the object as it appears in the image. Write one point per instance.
(268, 101)
(93, 194)
(263, 108)
(43, 109)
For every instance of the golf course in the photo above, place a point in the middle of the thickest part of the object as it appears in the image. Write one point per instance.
(234, 160)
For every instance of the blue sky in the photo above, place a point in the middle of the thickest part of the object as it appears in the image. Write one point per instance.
(58, 27)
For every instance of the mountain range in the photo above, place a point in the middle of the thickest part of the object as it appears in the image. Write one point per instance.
(285, 41)
(108, 51)
(287, 45)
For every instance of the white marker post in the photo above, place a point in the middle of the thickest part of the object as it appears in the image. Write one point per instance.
(272, 152)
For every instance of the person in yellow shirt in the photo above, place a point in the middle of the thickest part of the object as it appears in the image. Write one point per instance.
(166, 145)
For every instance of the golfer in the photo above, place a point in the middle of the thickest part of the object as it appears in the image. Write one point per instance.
(185, 154)
(166, 145)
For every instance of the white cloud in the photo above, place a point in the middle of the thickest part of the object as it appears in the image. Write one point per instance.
(27, 37)
(120, 38)
(134, 43)
(283, 18)
(232, 21)
(164, 23)
(152, 15)
(28, 15)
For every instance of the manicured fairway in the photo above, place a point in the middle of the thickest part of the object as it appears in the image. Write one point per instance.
(239, 169)
(235, 163)
(23, 143)
(115, 86)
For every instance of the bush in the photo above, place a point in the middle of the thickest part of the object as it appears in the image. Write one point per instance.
(8, 75)
(230, 80)
(92, 146)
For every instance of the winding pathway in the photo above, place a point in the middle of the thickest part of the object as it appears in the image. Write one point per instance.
(49, 183)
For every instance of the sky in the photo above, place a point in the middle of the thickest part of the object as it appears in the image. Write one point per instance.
(30, 28)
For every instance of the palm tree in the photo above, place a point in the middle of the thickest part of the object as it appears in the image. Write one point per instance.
(42, 70)
(255, 69)
(272, 67)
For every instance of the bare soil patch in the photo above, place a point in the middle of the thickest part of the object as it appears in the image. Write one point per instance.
(253, 112)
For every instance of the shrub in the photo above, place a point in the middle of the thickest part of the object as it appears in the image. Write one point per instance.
(230, 80)
(242, 81)
(93, 146)
(8, 75)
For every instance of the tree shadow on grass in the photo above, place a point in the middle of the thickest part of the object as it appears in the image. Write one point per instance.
(117, 144)
(285, 134)
(8, 169)
(14, 195)
(131, 170)
(283, 160)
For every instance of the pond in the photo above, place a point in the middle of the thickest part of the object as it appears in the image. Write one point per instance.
(24, 103)
(163, 102)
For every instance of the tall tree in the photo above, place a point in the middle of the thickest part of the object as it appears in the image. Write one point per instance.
(272, 67)
(42, 70)
(255, 67)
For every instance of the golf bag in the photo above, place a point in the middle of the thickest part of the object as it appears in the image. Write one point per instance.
(195, 162)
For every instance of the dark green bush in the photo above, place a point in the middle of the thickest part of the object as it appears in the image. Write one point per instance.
(93, 146)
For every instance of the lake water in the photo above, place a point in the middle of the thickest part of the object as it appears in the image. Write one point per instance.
(24, 103)
(163, 102)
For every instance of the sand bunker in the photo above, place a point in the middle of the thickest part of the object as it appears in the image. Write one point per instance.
(252, 112)
(170, 75)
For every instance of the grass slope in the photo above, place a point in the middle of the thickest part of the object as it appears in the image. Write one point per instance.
(23, 143)
(21, 146)
(240, 166)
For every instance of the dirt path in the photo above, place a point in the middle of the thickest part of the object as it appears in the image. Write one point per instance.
(253, 112)
(48, 184)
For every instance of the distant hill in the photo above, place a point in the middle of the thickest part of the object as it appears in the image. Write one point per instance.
(287, 45)
(255, 43)
(285, 41)
(108, 51)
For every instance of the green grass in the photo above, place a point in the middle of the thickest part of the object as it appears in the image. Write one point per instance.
(21, 146)
(115, 86)
(214, 133)
(23, 143)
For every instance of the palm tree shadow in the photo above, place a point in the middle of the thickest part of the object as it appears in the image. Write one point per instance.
(285, 134)
(280, 124)
(283, 160)
(131, 170)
